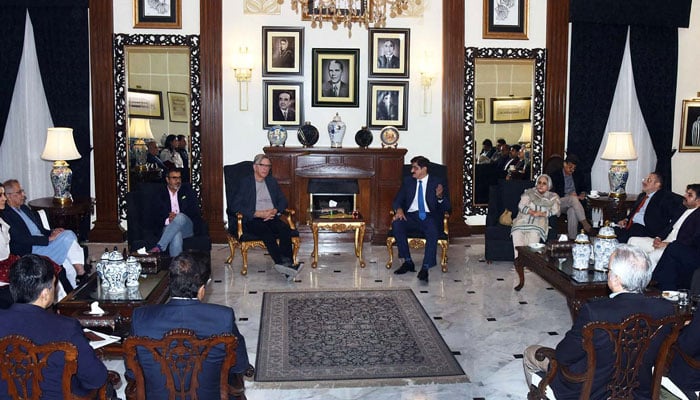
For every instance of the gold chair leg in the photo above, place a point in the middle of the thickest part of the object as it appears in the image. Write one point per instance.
(443, 260)
(232, 243)
(390, 248)
(244, 254)
(296, 243)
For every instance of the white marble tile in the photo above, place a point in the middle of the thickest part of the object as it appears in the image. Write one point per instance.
(464, 297)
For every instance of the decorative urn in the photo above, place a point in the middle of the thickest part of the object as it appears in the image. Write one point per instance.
(336, 130)
(133, 270)
(604, 245)
(307, 134)
(581, 251)
(113, 272)
(277, 135)
(363, 137)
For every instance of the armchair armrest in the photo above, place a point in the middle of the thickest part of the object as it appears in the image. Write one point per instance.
(288, 218)
(540, 392)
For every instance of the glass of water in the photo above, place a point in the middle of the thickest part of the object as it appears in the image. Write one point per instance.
(683, 298)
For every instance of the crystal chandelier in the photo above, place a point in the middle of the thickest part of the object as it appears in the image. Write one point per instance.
(346, 12)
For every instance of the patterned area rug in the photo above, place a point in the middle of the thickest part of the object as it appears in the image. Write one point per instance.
(349, 338)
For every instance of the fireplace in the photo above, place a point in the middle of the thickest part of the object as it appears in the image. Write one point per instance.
(332, 196)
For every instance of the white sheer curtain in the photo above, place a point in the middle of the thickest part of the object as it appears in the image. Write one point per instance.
(25, 133)
(626, 116)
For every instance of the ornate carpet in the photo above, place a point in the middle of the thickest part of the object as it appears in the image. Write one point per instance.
(351, 338)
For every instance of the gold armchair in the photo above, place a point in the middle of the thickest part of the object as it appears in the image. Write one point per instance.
(416, 240)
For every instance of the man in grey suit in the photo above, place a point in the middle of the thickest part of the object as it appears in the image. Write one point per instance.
(388, 59)
(335, 87)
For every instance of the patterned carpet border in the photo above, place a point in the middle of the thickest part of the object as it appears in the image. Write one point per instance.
(346, 338)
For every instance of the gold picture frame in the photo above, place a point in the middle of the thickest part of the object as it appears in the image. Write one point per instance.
(511, 109)
(505, 19)
(690, 127)
(152, 14)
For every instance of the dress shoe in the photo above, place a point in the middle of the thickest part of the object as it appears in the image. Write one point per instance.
(155, 249)
(423, 274)
(407, 266)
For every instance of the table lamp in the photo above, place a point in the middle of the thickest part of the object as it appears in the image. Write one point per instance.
(526, 135)
(140, 129)
(619, 148)
(59, 147)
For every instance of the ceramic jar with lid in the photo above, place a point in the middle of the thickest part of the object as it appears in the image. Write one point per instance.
(277, 135)
(336, 131)
(581, 251)
(604, 245)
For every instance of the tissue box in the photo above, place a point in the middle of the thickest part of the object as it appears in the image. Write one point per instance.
(152, 263)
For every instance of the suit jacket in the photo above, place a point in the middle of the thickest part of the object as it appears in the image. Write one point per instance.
(343, 90)
(42, 326)
(570, 353)
(244, 199)
(382, 62)
(21, 240)
(277, 115)
(558, 183)
(680, 372)
(151, 159)
(689, 232)
(392, 114)
(407, 192)
(187, 202)
(284, 59)
(206, 320)
(661, 213)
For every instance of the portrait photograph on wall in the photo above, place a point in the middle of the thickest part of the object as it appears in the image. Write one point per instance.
(690, 127)
(144, 103)
(335, 77)
(505, 19)
(283, 50)
(160, 14)
(283, 104)
(389, 53)
(387, 104)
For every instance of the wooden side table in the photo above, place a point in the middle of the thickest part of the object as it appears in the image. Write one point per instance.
(339, 225)
(613, 209)
(67, 216)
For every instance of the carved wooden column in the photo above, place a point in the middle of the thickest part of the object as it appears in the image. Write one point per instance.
(557, 70)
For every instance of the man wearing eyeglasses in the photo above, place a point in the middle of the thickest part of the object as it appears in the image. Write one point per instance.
(28, 235)
(261, 202)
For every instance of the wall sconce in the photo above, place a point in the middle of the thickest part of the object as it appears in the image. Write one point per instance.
(140, 129)
(427, 73)
(59, 147)
(619, 147)
(243, 68)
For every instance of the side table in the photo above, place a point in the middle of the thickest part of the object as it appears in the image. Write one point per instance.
(68, 216)
(339, 225)
(613, 209)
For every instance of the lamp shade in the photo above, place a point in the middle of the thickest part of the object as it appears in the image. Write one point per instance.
(140, 128)
(526, 135)
(60, 145)
(619, 146)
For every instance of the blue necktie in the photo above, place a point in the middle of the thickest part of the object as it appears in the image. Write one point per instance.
(421, 203)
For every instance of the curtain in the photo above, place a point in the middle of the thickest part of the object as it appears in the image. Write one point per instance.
(11, 38)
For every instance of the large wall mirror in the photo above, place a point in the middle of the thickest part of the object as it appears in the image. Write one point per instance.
(504, 98)
(156, 85)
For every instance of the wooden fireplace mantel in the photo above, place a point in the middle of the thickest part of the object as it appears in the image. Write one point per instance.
(378, 173)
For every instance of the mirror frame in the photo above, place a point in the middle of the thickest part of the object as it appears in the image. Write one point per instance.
(121, 118)
(471, 54)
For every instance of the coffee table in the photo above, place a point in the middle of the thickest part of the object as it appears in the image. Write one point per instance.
(339, 225)
(577, 285)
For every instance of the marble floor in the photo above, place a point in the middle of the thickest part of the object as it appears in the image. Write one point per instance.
(482, 319)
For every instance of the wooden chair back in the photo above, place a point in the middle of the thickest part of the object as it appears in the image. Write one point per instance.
(22, 364)
(180, 355)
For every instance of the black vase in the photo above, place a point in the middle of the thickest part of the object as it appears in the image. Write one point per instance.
(307, 134)
(364, 137)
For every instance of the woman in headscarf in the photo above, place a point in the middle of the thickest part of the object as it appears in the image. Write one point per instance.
(536, 205)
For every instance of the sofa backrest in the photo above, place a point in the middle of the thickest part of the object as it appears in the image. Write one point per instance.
(505, 195)
(232, 175)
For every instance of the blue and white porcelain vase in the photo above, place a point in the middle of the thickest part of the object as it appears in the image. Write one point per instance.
(604, 245)
(133, 270)
(277, 135)
(336, 130)
(581, 251)
(114, 273)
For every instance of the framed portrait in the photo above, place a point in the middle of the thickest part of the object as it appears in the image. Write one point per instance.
(283, 51)
(389, 53)
(158, 14)
(505, 19)
(387, 104)
(480, 110)
(510, 109)
(178, 107)
(144, 103)
(690, 126)
(315, 10)
(283, 103)
(335, 77)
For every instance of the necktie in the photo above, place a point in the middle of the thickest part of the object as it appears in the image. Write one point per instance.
(421, 202)
(284, 115)
(636, 210)
(335, 91)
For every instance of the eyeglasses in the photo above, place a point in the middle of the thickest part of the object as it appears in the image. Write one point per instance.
(648, 180)
(266, 165)
(19, 191)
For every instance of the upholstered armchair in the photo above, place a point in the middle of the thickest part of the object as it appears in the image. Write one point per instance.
(236, 236)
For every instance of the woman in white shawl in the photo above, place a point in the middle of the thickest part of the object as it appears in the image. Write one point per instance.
(536, 206)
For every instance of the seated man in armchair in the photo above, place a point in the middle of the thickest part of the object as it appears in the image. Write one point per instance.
(419, 206)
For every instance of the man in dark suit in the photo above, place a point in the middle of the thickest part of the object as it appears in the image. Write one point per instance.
(419, 207)
(388, 59)
(188, 280)
(570, 187)
(177, 213)
(681, 257)
(152, 156)
(283, 111)
(284, 56)
(32, 284)
(261, 202)
(335, 87)
(654, 212)
(629, 274)
(28, 235)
